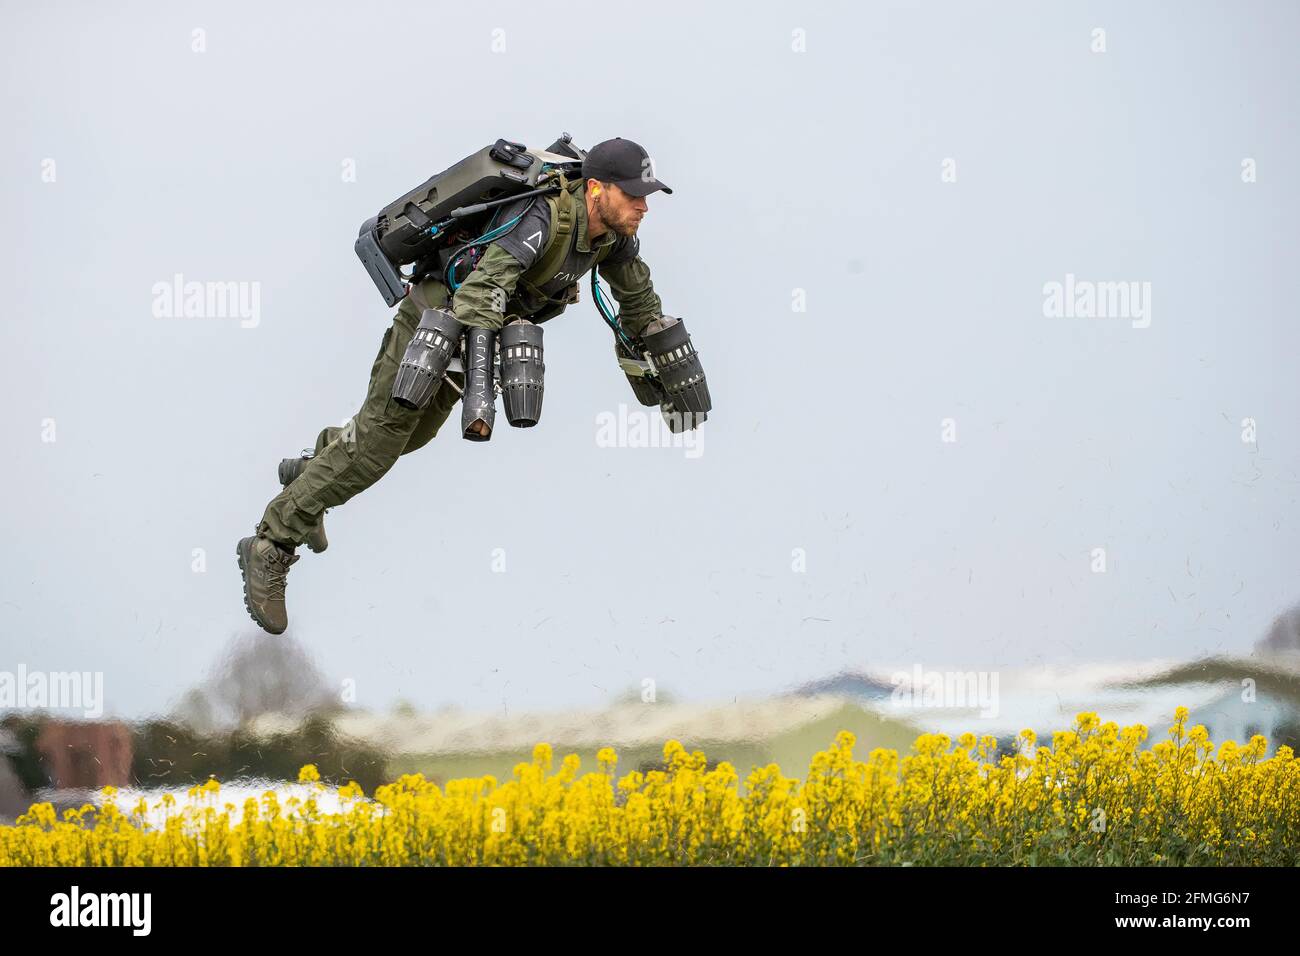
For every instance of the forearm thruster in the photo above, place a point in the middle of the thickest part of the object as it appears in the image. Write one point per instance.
(522, 372)
(425, 363)
(678, 367)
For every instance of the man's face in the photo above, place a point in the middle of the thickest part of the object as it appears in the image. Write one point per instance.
(618, 210)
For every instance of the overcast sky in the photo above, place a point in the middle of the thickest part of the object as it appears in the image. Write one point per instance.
(869, 203)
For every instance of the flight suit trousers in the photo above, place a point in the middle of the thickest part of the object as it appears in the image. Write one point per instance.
(351, 458)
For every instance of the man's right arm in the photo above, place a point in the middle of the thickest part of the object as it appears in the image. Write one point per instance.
(482, 298)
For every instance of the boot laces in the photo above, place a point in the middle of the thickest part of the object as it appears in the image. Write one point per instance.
(277, 570)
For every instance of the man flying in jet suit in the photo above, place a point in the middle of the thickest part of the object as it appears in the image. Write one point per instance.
(529, 273)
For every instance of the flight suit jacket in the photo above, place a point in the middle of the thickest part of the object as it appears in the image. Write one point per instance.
(496, 277)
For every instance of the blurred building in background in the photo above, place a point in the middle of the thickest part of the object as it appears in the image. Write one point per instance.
(86, 755)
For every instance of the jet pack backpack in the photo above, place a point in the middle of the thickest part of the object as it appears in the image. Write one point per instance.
(434, 225)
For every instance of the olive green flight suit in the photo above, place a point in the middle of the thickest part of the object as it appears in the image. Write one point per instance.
(351, 458)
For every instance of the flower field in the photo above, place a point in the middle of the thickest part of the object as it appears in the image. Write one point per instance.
(1095, 796)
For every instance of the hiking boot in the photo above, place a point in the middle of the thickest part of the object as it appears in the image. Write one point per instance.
(263, 564)
(291, 468)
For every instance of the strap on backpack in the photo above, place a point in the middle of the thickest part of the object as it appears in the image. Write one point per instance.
(557, 241)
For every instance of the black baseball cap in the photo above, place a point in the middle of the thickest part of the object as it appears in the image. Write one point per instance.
(623, 163)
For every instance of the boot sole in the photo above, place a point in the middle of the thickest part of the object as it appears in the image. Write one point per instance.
(243, 574)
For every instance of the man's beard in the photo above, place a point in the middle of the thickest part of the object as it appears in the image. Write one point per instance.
(627, 228)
